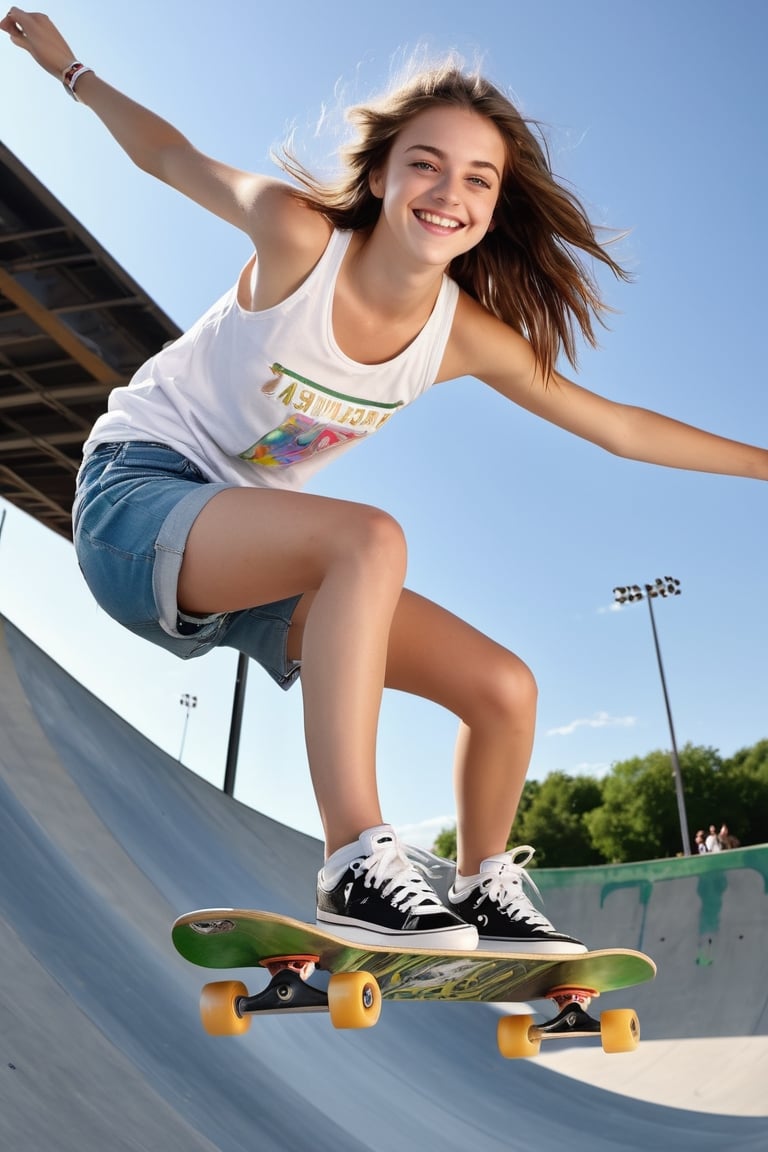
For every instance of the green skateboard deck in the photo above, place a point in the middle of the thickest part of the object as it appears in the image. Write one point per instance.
(363, 976)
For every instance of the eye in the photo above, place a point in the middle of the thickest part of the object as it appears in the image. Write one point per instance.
(479, 181)
(423, 166)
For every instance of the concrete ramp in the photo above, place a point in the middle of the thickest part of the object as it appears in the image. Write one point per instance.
(704, 919)
(704, 1019)
(104, 839)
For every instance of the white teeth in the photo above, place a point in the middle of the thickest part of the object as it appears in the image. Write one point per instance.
(440, 221)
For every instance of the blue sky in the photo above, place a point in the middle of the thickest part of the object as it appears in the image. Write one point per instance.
(655, 112)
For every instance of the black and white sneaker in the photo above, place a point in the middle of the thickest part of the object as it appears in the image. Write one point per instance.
(496, 903)
(371, 893)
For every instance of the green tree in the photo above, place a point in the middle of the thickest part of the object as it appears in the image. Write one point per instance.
(753, 760)
(632, 813)
(639, 819)
(554, 822)
(743, 801)
(551, 817)
(445, 842)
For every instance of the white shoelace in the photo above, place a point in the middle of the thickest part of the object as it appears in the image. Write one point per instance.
(402, 882)
(506, 889)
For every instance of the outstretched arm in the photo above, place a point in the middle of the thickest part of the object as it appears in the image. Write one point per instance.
(151, 142)
(484, 347)
(641, 434)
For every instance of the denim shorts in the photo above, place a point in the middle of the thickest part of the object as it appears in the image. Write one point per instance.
(134, 507)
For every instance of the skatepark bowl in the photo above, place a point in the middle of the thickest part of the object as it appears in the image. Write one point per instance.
(105, 840)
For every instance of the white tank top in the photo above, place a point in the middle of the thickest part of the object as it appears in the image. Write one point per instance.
(267, 398)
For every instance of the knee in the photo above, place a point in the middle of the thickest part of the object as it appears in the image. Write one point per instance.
(378, 539)
(506, 692)
(358, 543)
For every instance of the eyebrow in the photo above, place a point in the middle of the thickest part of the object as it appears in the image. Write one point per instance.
(441, 156)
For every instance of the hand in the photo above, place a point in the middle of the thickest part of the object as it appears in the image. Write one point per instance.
(40, 37)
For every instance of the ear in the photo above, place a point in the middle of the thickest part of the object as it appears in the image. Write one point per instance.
(376, 183)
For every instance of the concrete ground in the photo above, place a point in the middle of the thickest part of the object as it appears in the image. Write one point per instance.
(727, 1075)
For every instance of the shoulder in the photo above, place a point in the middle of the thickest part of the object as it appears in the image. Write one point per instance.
(289, 238)
(280, 218)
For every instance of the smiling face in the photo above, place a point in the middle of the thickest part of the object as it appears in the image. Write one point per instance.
(440, 184)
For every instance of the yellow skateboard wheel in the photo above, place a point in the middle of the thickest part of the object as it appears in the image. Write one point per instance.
(218, 1008)
(354, 1000)
(619, 1030)
(513, 1036)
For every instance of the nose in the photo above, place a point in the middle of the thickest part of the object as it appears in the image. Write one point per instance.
(446, 190)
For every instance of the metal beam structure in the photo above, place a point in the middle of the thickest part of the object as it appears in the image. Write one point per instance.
(73, 324)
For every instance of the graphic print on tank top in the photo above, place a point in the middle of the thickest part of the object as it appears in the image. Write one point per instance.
(312, 419)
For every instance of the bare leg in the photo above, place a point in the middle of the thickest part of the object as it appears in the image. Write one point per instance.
(252, 546)
(492, 691)
(434, 654)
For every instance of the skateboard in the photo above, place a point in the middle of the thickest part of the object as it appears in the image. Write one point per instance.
(361, 977)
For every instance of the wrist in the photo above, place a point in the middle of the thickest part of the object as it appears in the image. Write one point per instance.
(71, 74)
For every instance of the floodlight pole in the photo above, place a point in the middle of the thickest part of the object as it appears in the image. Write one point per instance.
(669, 586)
(236, 723)
(187, 702)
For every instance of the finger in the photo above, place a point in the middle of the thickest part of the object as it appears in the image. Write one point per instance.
(23, 24)
(12, 25)
(16, 15)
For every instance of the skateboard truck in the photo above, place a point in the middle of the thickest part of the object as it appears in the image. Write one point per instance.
(573, 1018)
(288, 989)
(618, 1028)
(353, 999)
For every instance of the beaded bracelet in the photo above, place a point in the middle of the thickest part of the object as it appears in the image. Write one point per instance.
(72, 74)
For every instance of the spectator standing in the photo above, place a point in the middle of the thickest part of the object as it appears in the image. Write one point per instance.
(726, 839)
(712, 842)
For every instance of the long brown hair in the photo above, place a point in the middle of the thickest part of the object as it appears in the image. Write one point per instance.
(528, 270)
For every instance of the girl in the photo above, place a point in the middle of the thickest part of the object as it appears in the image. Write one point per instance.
(446, 248)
